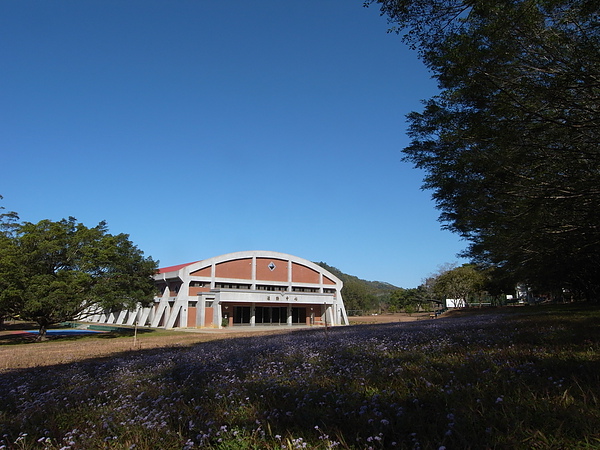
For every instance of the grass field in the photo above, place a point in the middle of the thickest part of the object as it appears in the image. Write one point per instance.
(16, 351)
(526, 377)
(19, 351)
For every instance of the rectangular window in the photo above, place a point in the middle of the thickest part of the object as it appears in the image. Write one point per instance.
(231, 286)
(304, 289)
(272, 288)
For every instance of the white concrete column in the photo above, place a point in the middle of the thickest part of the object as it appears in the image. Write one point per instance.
(146, 315)
(329, 315)
(201, 311)
(217, 312)
(133, 316)
(160, 309)
(123, 316)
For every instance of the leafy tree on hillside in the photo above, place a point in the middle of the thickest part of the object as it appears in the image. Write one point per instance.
(357, 297)
(407, 300)
(510, 146)
(460, 283)
(68, 269)
(361, 295)
(8, 266)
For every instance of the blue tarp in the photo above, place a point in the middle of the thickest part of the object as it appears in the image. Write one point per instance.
(67, 331)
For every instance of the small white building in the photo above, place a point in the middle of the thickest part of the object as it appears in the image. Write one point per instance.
(455, 303)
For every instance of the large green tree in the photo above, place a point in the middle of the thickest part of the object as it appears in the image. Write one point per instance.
(9, 268)
(68, 270)
(407, 299)
(460, 284)
(358, 297)
(511, 145)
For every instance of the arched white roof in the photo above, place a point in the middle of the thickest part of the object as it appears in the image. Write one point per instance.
(184, 270)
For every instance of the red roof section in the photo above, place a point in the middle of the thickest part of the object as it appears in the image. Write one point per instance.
(174, 268)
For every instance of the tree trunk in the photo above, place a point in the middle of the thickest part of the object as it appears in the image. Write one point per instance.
(42, 332)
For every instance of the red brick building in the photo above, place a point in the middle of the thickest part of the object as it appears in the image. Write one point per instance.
(254, 288)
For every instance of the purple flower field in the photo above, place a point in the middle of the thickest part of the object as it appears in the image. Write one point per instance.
(503, 378)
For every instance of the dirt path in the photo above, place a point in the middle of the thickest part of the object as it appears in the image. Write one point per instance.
(387, 318)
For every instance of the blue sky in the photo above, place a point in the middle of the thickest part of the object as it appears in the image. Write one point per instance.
(206, 127)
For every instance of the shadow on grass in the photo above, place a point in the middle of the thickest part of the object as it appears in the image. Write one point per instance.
(16, 326)
(460, 384)
(26, 333)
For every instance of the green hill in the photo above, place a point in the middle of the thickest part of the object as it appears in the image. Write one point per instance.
(361, 296)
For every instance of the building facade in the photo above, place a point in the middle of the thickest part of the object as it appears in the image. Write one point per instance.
(253, 288)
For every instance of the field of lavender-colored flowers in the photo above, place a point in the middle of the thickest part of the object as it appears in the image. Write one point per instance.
(524, 377)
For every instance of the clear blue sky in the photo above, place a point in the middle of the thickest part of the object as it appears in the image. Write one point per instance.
(206, 127)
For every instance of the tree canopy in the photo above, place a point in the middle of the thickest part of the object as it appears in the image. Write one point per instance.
(510, 145)
(52, 272)
(8, 267)
(460, 284)
(407, 299)
(361, 296)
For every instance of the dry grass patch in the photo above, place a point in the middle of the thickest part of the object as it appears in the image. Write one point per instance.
(18, 351)
(388, 318)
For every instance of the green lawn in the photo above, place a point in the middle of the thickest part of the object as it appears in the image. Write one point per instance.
(520, 377)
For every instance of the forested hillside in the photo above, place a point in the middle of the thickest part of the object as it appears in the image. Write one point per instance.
(362, 296)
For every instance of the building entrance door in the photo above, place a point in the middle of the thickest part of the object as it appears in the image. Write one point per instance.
(241, 315)
(271, 315)
(278, 315)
